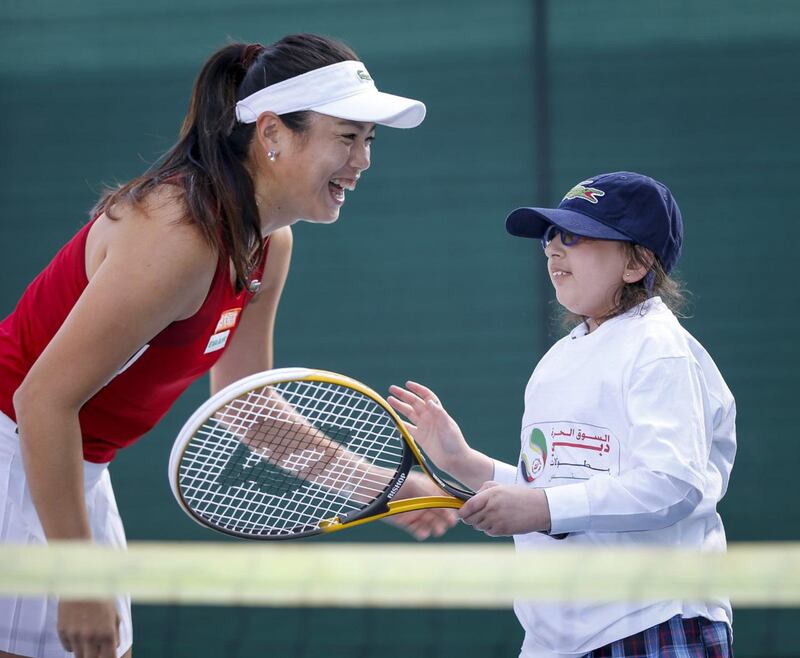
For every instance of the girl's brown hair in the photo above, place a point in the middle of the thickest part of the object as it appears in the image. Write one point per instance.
(207, 161)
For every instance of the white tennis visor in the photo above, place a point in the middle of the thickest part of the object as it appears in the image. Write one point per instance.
(344, 90)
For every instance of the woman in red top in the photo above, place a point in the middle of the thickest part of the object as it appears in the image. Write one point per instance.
(179, 272)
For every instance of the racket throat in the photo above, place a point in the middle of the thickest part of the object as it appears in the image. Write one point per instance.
(358, 517)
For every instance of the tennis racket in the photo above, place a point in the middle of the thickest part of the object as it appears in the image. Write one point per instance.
(295, 452)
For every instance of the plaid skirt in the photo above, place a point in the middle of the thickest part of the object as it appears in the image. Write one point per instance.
(675, 638)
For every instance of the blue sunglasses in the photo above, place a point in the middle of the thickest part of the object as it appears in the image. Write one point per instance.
(567, 239)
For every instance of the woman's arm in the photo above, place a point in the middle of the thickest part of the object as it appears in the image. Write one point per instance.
(145, 271)
(150, 273)
(251, 347)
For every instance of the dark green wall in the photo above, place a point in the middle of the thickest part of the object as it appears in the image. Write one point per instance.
(418, 278)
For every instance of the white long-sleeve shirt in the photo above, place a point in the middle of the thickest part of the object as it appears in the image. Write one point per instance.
(631, 431)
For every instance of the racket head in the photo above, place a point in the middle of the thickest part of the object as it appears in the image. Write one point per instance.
(221, 479)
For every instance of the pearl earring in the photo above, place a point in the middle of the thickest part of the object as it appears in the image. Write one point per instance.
(272, 155)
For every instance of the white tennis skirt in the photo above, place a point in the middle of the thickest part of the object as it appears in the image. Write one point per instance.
(28, 624)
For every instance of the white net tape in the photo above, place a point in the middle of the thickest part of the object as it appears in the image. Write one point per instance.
(400, 575)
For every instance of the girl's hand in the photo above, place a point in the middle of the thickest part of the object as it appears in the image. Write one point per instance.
(500, 510)
(439, 435)
(431, 426)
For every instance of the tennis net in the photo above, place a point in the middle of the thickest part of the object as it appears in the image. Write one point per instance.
(322, 599)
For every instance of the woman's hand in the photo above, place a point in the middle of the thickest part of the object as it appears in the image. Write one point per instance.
(425, 523)
(500, 510)
(89, 628)
(439, 435)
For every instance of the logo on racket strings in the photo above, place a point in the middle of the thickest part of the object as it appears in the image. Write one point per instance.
(279, 474)
(246, 469)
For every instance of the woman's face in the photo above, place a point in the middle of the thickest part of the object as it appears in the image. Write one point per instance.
(315, 169)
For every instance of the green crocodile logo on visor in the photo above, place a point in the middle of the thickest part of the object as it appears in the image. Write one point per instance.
(361, 73)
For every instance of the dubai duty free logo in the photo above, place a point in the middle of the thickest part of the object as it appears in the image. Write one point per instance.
(532, 458)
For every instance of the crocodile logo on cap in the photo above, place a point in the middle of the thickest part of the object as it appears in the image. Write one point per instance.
(580, 191)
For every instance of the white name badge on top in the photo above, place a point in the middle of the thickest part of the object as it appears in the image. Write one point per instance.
(217, 341)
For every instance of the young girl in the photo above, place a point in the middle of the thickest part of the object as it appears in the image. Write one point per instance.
(178, 273)
(628, 435)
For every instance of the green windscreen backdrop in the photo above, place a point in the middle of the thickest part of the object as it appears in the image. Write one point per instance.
(418, 278)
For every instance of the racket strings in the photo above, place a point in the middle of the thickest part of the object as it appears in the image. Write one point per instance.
(278, 460)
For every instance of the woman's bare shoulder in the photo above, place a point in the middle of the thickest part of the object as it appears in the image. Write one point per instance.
(156, 230)
(155, 242)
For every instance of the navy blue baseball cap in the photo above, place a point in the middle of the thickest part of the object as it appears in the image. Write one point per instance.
(622, 205)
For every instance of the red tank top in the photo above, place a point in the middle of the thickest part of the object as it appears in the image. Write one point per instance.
(147, 385)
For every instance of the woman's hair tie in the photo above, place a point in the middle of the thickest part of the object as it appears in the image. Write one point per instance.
(250, 54)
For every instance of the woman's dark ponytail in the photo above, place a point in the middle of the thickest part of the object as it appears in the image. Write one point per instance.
(222, 186)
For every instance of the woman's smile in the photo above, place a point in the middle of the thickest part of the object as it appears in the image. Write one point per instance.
(337, 187)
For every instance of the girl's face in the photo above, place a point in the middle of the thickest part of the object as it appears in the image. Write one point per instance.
(313, 170)
(587, 275)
